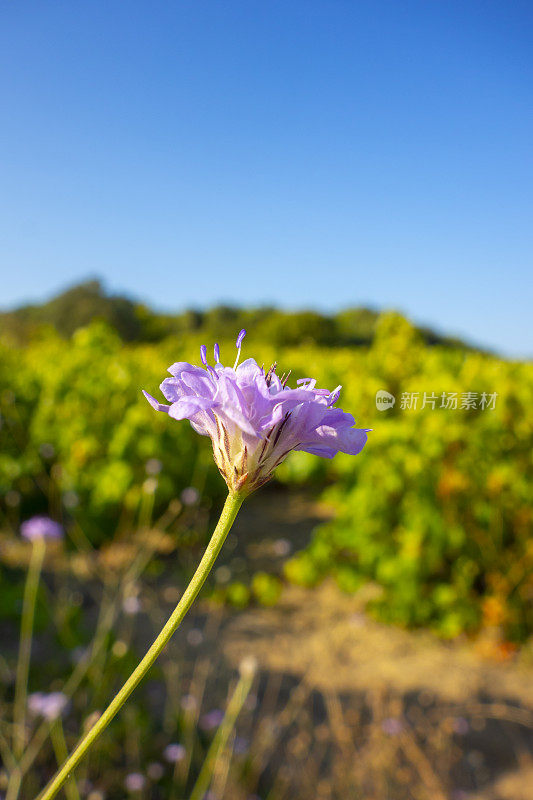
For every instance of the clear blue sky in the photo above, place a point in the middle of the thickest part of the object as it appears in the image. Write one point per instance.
(306, 153)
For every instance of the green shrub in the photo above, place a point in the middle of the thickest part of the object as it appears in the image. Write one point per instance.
(436, 510)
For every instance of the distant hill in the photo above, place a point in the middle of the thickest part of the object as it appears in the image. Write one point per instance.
(134, 321)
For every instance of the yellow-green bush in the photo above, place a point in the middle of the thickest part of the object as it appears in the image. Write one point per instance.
(437, 508)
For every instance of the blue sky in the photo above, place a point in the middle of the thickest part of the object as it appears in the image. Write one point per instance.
(304, 153)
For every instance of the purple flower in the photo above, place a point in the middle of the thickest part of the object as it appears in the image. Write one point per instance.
(460, 726)
(131, 605)
(392, 726)
(153, 466)
(155, 771)
(211, 720)
(50, 706)
(174, 753)
(41, 527)
(241, 745)
(190, 496)
(254, 419)
(189, 702)
(135, 782)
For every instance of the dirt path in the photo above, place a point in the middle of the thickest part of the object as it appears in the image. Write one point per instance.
(464, 721)
(324, 635)
(325, 641)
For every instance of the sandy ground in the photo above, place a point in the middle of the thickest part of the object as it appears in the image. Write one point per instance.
(442, 696)
(323, 639)
(325, 636)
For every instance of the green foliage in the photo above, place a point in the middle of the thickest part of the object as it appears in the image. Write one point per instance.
(76, 308)
(437, 508)
(237, 594)
(77, 431)
(266, 588)
(80, 305)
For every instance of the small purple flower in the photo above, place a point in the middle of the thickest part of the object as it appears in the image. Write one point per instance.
(195, 637)
(189, 702)
(155, 771)
(190, 496)
(50, 706)
(174, 753)
(460, 726)
(392, 726)
(241, 745)
(211, 720)
(254, 419)
(281, 547)
(47, 450)
(131, 605)
(70, 499)
(135, 782)
(41, 527)
(153, 466)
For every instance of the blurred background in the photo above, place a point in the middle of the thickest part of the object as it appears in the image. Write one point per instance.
(352, 183)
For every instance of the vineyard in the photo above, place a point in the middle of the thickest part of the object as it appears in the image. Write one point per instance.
(435, 513)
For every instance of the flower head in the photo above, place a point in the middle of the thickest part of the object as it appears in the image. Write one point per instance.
(41, 527)
(254, 418)
(155, 771)
(131, 605)
(135, 782)
(174, 753)
(392, 726)
(212, 719)
(50, 706)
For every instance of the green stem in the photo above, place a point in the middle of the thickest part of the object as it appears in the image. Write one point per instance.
(229, 512)
(106, 617)
(59, 744)
(219, 743)
(13, 787)
(26, 633)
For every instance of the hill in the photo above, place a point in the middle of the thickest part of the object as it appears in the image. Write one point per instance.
(79, 305)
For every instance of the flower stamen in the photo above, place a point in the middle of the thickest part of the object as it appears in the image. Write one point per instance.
(271, 372)
(238, 343)
(285, 378)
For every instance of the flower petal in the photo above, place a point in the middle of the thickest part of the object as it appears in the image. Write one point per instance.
(183, 366)
(231, 401)
(155, 403)
(187, 407)
(345, 440)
